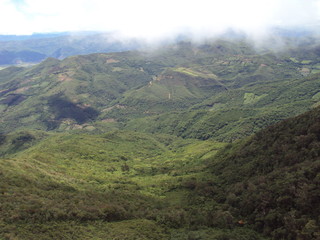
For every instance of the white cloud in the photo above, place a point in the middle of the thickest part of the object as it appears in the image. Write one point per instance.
(11, 20)
(155, 19)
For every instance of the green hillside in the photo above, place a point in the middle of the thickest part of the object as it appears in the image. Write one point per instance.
(139, 186)
(234, 114)
(115, 185)
(221, 90)
(133, 145)
(271, 180)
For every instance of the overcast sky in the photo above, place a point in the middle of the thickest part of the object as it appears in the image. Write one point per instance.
(154, 19)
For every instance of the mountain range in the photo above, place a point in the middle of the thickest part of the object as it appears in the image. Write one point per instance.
(187, 141)
(223, 90)
(26, 50)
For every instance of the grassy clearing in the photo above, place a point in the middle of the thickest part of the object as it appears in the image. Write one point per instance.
(105, 161)
(195, 73)
(251, 98)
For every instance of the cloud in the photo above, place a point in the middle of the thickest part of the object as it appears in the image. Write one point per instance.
(156, 19)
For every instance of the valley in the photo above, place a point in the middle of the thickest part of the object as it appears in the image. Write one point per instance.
(189, 141)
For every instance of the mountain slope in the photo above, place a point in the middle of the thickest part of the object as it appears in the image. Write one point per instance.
(233, 114)
(103, 186)
(71, 173)
(222, 90)
(271, 180)
(118, 180)
(81, 86)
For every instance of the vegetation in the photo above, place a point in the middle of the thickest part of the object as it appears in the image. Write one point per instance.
(221, 90)
(144, 186)
(76, 185)
(271, 180)
(132, 145)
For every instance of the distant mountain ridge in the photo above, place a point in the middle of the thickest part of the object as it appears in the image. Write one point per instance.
(5, 38)
(35, 48)
(24, 49)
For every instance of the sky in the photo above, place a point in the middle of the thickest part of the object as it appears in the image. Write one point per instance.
(156, 19)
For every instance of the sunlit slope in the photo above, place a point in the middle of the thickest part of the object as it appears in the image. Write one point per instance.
(76, 90)
(81, 185)
(222, 90)
(237, 113)
(100, 186)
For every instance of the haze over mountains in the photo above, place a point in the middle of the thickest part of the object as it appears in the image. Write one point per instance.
(17, 50)
(31, 49)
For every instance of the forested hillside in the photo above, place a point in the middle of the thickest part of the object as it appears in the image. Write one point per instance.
(221, 90)
(271, 180)
(188, 141)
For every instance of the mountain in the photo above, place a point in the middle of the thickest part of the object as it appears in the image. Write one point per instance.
(271, 180)
(17, 50)
(221, 90)
(24, 56)
(134, 185)
(134, 145)
(5, 38)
